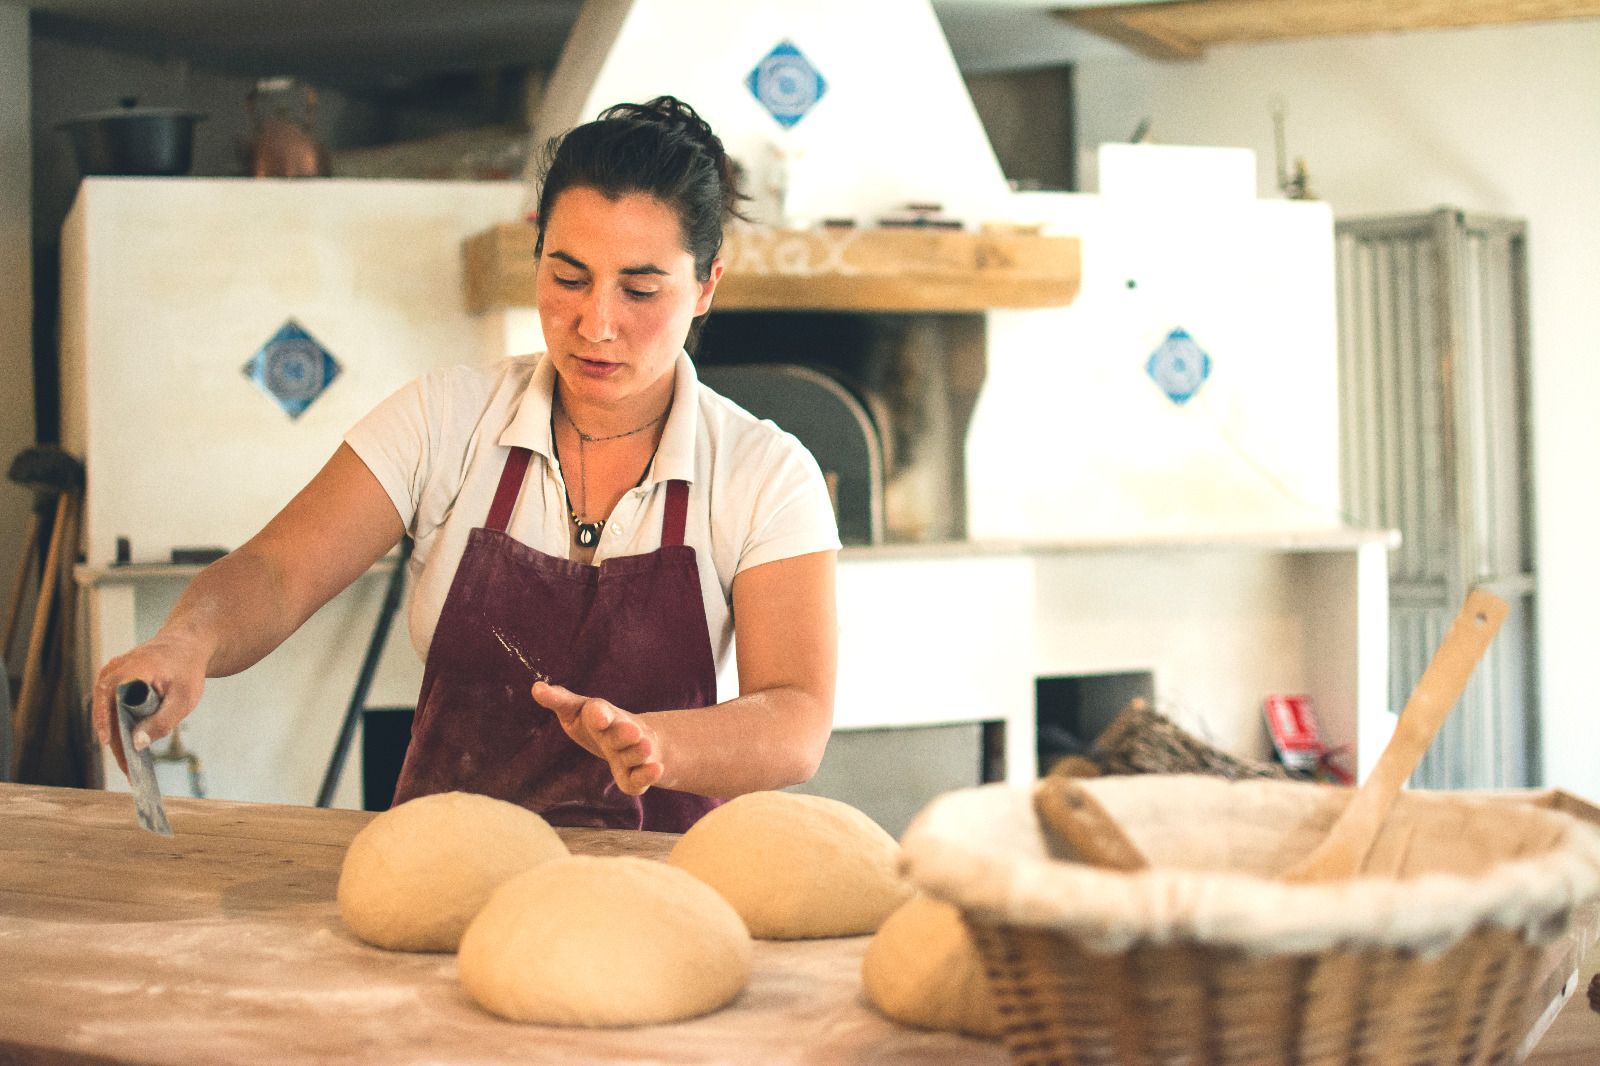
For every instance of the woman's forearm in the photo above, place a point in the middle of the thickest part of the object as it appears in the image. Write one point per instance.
(248, 602)
(774, 736)
(764, 740)
(233, 613)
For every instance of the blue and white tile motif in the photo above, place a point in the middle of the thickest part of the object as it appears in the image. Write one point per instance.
(786, 84)
(1179, 366)
(293, 368)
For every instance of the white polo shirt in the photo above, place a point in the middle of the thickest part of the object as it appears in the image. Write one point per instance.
(437, 447)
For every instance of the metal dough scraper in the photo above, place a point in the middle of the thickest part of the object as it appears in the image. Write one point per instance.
(137, 701)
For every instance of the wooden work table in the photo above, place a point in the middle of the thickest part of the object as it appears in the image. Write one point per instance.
(1573, 1039)
(223, 944)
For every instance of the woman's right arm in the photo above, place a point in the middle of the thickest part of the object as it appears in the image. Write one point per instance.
(245, 604)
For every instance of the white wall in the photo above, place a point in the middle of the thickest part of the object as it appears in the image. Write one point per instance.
(1109, 455)
(183, 450)
(16, 289)
(371, 269)
(1503, 120)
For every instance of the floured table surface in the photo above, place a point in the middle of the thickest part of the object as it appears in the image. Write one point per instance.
(223, 944)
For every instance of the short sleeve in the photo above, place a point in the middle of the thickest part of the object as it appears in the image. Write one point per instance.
(397, 440)
(792, 514)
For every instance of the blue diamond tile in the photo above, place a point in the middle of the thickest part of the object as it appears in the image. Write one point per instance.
(786, 84)
(293, 368)
(1179, 366)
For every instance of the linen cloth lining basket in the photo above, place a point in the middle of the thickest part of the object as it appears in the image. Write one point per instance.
(1204, 959)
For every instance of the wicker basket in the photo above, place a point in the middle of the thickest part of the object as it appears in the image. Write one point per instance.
(1205, 959)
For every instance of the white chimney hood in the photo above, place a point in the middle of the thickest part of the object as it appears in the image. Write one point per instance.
(838, 111)
(892, 123)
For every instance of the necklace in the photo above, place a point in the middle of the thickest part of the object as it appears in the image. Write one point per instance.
(589, 532)
(587, 439)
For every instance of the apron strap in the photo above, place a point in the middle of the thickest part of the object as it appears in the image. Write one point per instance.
(505, 494)
(677, 508)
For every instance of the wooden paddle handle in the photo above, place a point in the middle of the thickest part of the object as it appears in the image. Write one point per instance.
(1078, 819)
(1345, 848)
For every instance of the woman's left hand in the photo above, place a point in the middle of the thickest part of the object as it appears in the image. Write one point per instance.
(625, 741)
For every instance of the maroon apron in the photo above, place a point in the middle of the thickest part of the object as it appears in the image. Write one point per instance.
(631, 630)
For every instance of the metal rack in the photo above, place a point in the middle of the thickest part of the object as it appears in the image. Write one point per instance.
(1435, 442)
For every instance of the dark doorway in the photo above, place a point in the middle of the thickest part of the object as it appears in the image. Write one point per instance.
(1072, 711)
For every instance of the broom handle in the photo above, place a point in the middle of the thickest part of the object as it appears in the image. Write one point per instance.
(55, 703)
(34, 665)
(30, 541)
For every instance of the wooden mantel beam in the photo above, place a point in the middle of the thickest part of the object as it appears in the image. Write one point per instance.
(874, 269)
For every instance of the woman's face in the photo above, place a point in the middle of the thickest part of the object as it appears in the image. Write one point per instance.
(617, 292)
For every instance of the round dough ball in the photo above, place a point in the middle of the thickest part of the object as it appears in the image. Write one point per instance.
(416, 874)
(922, 969)
(796, 866)
(601, 941)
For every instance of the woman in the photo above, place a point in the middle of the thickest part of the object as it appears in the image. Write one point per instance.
(592, 529)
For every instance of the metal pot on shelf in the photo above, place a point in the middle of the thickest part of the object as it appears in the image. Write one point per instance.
(134, 140)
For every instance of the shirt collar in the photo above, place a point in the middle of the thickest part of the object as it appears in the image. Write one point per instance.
(530, 425)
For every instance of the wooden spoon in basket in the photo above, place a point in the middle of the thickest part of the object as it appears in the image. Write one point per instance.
(1340, 854)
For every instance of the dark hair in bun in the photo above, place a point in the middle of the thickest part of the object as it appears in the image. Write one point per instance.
(662, 149)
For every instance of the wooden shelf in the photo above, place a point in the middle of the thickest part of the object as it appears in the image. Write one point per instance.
(1186, 28)
(890, 269)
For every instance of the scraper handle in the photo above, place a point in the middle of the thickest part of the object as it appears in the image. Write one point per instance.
(138, 699)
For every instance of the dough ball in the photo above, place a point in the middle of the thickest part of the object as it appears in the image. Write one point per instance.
(796, 866)
(416, 874)
(922, 969)
(602, 941)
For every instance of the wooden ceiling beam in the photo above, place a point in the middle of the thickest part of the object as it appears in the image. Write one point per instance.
(1186, 28)
(1130, 26)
